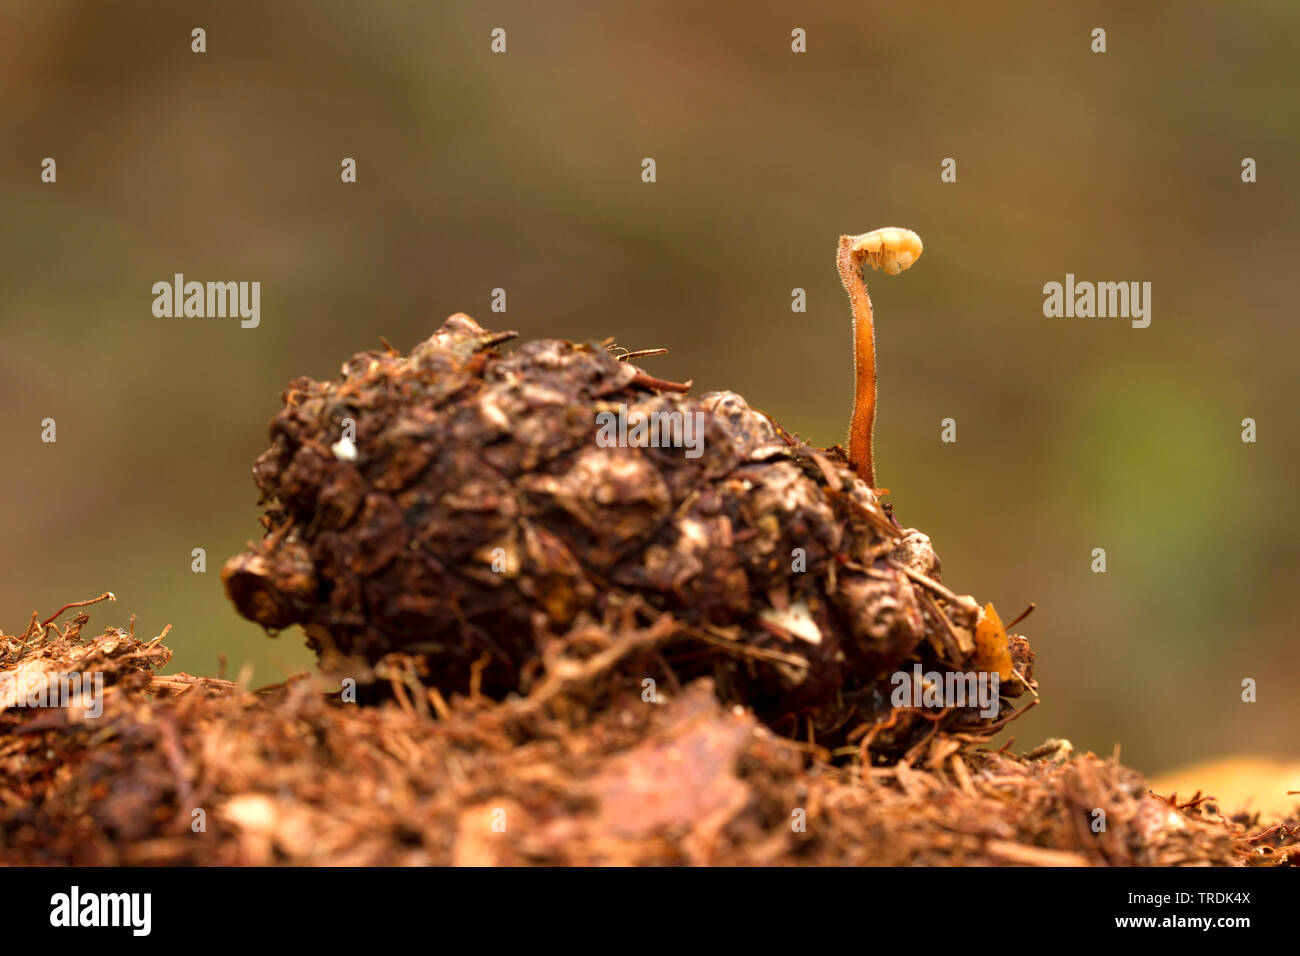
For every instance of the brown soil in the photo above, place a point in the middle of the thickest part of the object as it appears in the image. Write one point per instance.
(579, 771)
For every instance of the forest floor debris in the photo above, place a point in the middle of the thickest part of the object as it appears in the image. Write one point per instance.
(195, 770)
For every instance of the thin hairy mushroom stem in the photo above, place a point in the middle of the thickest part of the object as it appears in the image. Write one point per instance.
(891, 250)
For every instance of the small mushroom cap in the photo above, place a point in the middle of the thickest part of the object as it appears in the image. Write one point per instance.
(891, 249)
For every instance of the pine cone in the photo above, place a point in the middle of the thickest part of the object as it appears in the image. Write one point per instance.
(463, 506)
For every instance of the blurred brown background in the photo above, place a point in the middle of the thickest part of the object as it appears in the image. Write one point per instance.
(522, 171)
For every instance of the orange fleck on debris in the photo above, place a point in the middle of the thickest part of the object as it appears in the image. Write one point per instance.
(992, 649)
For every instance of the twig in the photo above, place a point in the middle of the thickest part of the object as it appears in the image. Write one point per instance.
(663, 385)
(928, 582)
(761, 653)
(556, 684)
(106, 596)
(1033, 855)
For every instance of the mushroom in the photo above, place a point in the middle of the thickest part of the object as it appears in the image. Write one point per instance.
(890, 250)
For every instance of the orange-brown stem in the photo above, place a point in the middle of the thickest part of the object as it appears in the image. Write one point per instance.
(863, 424)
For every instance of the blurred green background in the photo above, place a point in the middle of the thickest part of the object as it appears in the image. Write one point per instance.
(522, 171)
